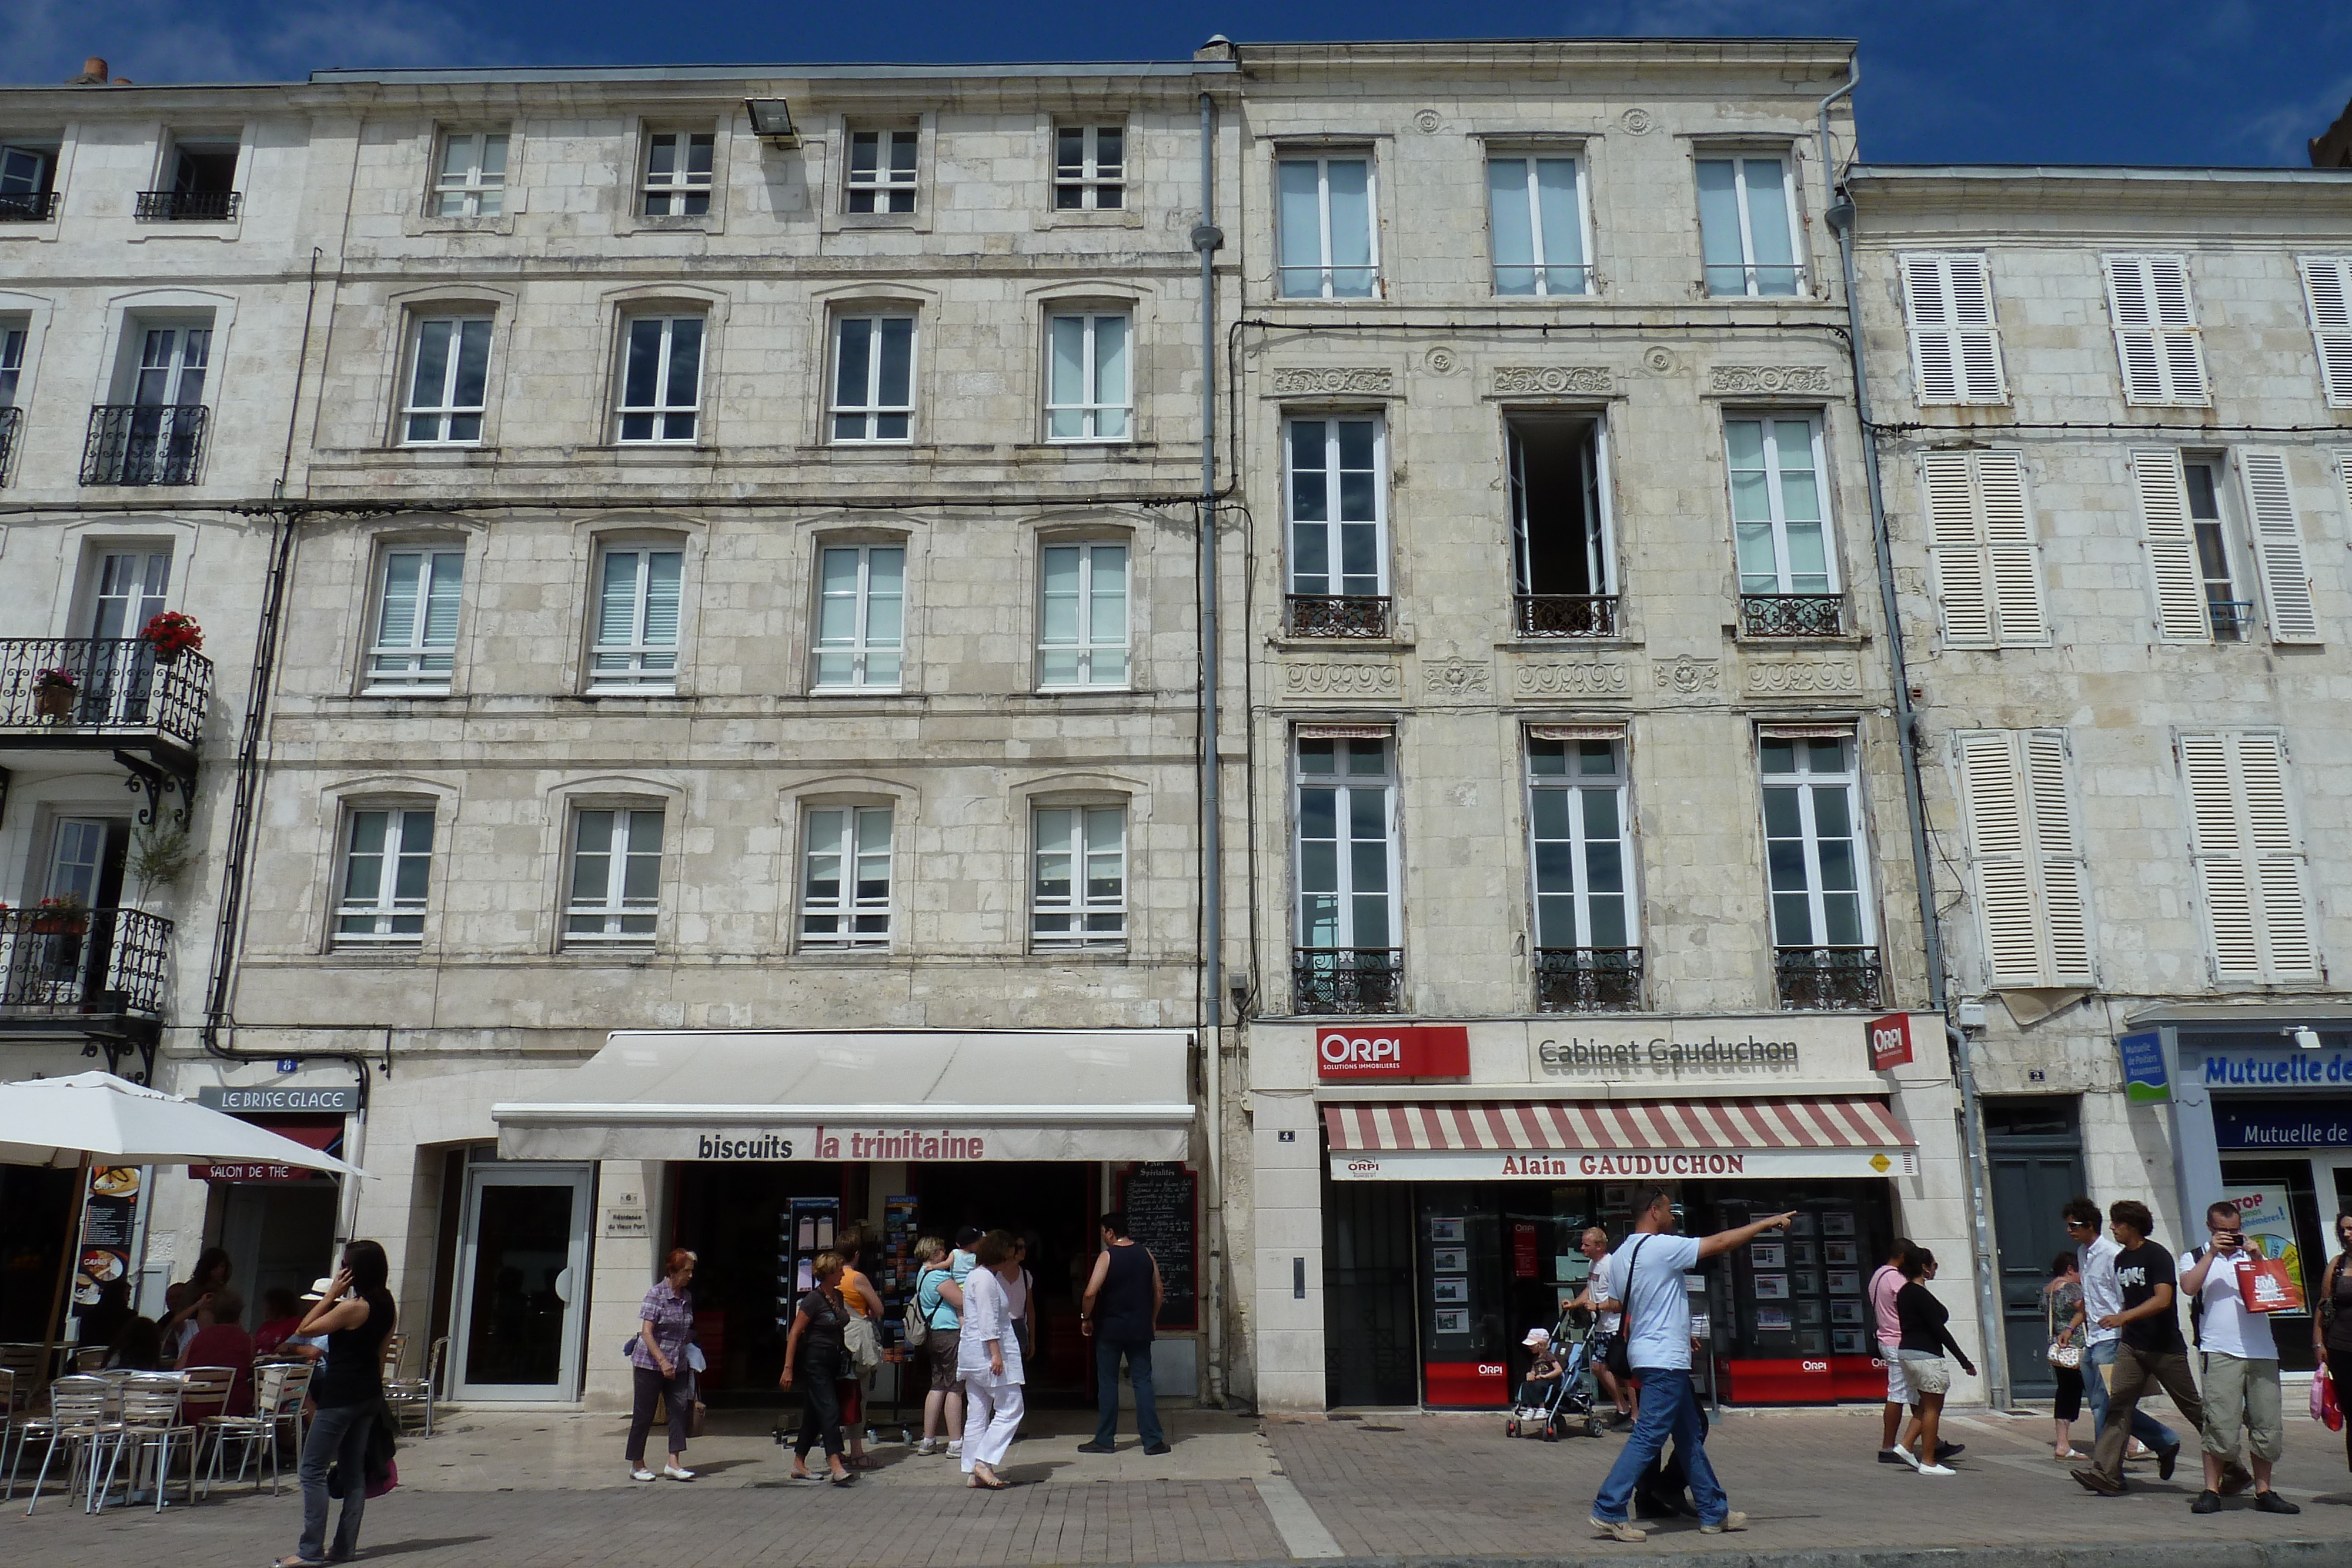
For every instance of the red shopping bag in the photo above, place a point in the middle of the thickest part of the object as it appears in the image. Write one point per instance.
(2268, 1285)
(2324, 1408)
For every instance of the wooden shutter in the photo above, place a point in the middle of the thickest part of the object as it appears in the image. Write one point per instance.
(2278, 547)
(1988, 569)
(2058, 858)
(2171, 547)
(2013, 561)
(1955, 342)
(2327, 292)
(2028, 872)
(1958, 550)
(2247, 862)
(2156, 341)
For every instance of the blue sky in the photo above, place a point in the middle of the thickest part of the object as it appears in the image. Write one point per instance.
(2155, 81)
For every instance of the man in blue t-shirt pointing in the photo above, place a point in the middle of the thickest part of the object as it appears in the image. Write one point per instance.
(1647, 1269)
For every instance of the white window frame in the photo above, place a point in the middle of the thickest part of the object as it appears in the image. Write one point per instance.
(1574, 786)
(862, 643)
(1947, 304)
(680, 186)
(1805, 781)
(2327, 300)
(2159, 351)
(15, 333)
(871, 411)
(1777, 502)
(1344, 893)
(1095, 410)
(2026, 856)
(885, 189)
(1335, 578)
(475, 190)
(1587, 281)
(423, 664)
(1090, 650)
(651, 666)
(1087, 179)
(1325, 268)
(1988, 558)
(611, 908)
(387, 908)
(1090, 920)
(664, 411)
(2250, 857)
(445, 411)
(1749, 267)
(848, 908)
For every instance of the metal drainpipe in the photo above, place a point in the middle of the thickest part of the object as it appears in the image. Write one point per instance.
(1840, 215)
(1206, 237)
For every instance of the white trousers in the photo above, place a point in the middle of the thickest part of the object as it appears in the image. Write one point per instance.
(991, 1415)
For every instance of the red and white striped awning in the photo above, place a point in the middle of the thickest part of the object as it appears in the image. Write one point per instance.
(1618, 1138)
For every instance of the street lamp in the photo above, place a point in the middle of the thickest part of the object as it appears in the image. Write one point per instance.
(771, 121)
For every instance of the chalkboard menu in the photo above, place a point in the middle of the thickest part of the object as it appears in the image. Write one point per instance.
(1163, 1211)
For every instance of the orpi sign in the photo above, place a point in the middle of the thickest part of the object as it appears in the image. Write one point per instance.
(1344, 1051)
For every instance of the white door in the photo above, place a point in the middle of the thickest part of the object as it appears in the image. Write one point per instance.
(132, 589)
(521, 1300)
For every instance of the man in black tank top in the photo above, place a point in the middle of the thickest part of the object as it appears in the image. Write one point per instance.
(1123, 1300)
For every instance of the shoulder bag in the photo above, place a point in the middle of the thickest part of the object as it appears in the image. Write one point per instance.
(1618, 1358)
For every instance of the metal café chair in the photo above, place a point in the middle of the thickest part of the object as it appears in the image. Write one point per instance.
(278, 1390)
(78, 1409)
(89, 1361)
(149, 1423)
(408, 1396)
(204, 1394)
(23, 1363)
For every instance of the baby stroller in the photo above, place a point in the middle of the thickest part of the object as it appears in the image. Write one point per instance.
(1570, 1397)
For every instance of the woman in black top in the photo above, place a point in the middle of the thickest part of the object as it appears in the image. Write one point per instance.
(815, 1357)
(356, 1314)
(1924, 1339)
(2331, 1327)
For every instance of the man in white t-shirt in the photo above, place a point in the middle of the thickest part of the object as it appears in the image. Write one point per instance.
(1646, 1271)
(2102, 1297)
(2241, 1369)
(1600, 1296)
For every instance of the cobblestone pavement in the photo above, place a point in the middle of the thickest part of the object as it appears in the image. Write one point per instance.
(513, 1490)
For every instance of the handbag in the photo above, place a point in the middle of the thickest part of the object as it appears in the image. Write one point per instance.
(2268, 1285)
(2324, 1408)
(2062, 1351)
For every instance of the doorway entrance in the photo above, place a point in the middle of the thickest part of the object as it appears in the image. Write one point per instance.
(522, 1282)
(1370, 1356)
(2033, 1151)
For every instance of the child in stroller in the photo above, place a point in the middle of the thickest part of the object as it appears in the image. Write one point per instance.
(1558, 1388)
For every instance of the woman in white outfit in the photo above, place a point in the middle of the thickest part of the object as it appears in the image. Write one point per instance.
(989, 1360)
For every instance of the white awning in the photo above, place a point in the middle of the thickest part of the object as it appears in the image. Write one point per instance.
(919, 1095)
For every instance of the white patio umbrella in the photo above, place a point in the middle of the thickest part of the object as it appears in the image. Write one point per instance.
(95, 1118)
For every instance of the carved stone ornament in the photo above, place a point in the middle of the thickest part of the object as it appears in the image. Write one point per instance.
(1442, 360)
(1689, 675)
(1428, 119)
(1464, 679)
(1803, 679)
(1659, 361)
(1518, 379)
(1310, 379)
(1341, 679)
(1578, 679)
(1773, 379)
(1636, 121)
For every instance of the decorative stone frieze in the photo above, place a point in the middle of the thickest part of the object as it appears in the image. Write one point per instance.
(1462, 680)
(1551, 380)
(1351, 678)
(1571, 678)
(1307, 380)
(1688, 675)
(1802, 678)
(1773, 380)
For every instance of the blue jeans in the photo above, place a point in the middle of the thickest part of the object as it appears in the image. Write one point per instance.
(2098, 1361)
(338, 1436)
(1669, 1409)
(1138, 1370)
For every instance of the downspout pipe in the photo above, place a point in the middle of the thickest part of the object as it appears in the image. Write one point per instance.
(1838, 212)
(1206, 237)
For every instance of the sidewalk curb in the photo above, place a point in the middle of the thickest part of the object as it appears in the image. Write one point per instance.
(2200, 1554)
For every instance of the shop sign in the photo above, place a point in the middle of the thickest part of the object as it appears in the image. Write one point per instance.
(341, 1100)
(2294, 1070)
(1890, 1042)
(1475, 1385)
(1697, 1050)
(2277, 1125)
(1391, 1050)
(1621, 1165)
(2145, 1080)
(109, 1227)
(838, 1144)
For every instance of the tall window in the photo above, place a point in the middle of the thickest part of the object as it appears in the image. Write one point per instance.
(637, 620)
(1812, 841)
(1988, 567)
(27, 183)
(1329, 247)
(677, 183)
(881, 172)
(173, 364)
(1082, 641)
(2156, 340)
(2249, 857)
(846, 878)
(1078, 889)
(861, 616)
(12, 362)
(1955, 342)
(616, 877)
(416, 620)
(1747, 225)
(661, 377)
(2327, 295)
(1089, 166)
(1536, 209)
(1777, 511)
(1086, 396)
(2229, 613)
(1582, 842)
(1337, 509)
(470, 182)
(387, 857)
(449, 369)
(1346, 844)
(2029, 864)
(873, 377)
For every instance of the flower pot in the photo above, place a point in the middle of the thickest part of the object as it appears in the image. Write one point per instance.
(166, 656)
(53, 702)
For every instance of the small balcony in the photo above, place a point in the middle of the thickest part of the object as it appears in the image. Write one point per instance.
(1793, 615)
(97, 973)
(12, 423)
(28, 207)
(2233, 618)
(1827, 979)
(189, 207)
(1364, 616)
(108, 693)
(1347, 980)
(143, 444)
(1567, 615)
(1587, 979)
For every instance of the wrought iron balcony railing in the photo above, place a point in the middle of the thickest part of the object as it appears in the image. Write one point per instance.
(1340, 615)
(1827, 979)
(114, 684)
(64, 963)
(1587, 979)
(1346, 979)
(143, 444)
(1567, 615)
(28, 207)
(12, 423)
(189, 207)
(1793, 615)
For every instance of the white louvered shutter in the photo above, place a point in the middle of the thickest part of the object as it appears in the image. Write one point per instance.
(2327, 292)
(2171, 547)
(2066, 915)
(2278, 547)
(2013, 564)
(2029, 878)
(1955, 342)
(1987, 571)
(1961, 585)
(2156, 340)
(2247, 858)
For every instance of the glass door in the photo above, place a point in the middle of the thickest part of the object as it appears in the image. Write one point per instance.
(132, 589)
(522, 1282)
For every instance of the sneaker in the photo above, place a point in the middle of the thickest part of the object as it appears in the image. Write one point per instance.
(1618, 1530)
(1946, 1450)
(1904, 1456)
(2167, 1461)
(2271, 1502)
(1735, 1519)
(1893, 1457)
(641, 1474)
(1097, 1448)
(2207, 1502)
(955, 1448)
(2235, 1479)
(1938, 1470)
(676, 1474)
(2092, 1480)
(1156, 1448)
